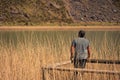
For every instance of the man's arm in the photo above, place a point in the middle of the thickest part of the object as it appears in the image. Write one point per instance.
(88, 49)
(72, 50)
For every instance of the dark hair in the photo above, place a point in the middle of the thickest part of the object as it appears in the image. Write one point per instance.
(81, 33)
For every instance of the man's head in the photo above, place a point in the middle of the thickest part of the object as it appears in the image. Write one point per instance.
(81, 33)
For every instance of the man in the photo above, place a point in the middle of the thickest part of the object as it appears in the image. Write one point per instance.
(80, 50)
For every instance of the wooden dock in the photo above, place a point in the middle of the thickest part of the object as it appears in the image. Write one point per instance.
(57, 67)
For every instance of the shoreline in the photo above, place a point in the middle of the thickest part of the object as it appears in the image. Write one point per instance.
(59, 28)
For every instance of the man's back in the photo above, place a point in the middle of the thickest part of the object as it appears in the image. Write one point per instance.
(81, 45)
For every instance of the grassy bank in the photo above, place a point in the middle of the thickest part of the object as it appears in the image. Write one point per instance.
(63, 24)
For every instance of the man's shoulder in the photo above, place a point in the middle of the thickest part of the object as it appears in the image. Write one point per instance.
(81, 39)
(86, 39)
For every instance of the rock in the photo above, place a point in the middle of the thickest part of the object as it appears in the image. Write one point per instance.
(114, 11)
(85, 15)
(92, 17)
(113, 19)
(1, 18)
(82, 19)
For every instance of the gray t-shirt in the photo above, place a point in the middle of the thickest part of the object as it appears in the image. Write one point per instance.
(80, 45)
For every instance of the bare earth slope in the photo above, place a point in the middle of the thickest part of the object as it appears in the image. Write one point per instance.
(28, 12)
(94, 10)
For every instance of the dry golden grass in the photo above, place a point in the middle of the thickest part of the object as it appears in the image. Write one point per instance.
(24, 61)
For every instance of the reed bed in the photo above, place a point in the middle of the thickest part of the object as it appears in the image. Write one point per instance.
(23, 53)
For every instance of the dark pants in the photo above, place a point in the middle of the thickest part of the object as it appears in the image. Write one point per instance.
(80, 63)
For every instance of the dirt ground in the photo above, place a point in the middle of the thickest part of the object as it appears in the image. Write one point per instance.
(59, 28)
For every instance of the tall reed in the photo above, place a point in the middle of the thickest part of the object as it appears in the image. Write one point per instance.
(22, 54)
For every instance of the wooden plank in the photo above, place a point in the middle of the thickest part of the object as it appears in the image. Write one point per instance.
(58, 68)
(88, 61)
(83, 70)
(43, 74)
(103, 61)
(59, 64)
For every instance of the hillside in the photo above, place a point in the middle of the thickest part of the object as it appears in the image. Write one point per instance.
(35, 12)
(95, 10)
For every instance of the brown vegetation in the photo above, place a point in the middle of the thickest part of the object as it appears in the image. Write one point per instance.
(35, 12)
(23, 54)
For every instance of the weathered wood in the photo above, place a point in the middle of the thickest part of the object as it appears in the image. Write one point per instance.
(58, 68)
(59, 64)
(83, 70)
(89, 61)
(43, 73)
(104, 61)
